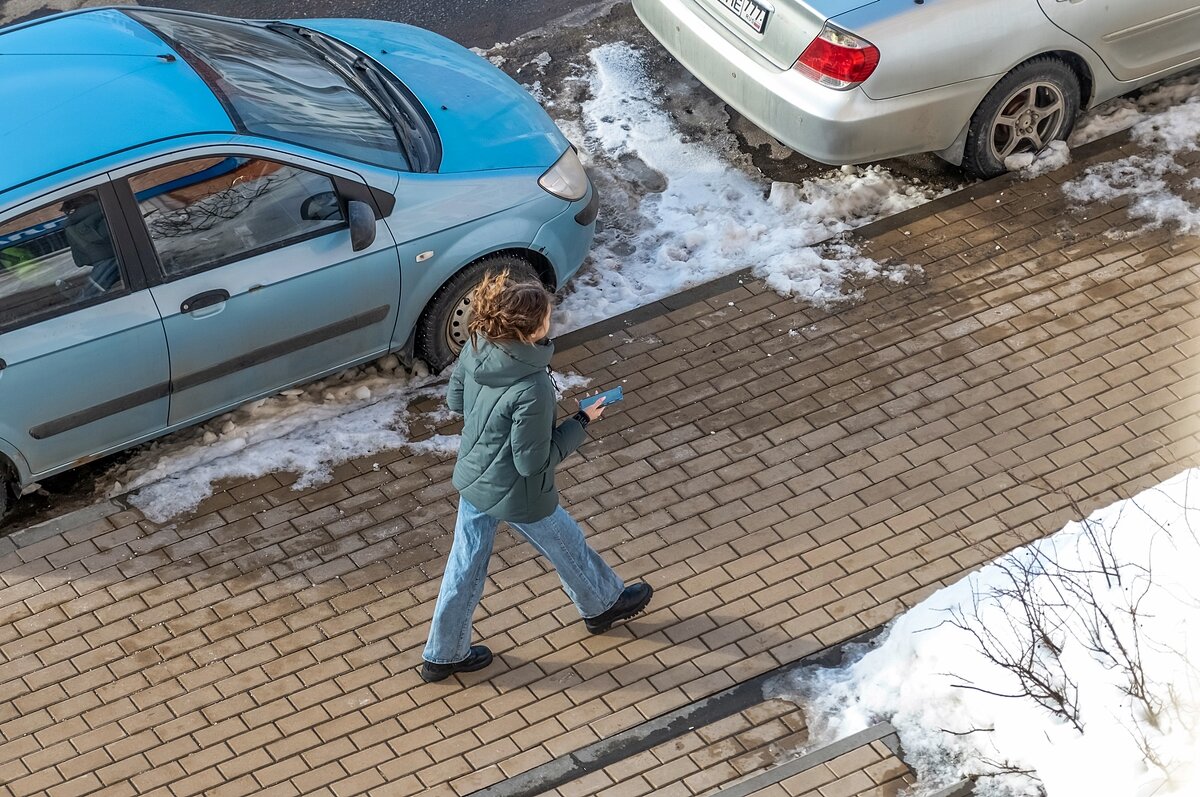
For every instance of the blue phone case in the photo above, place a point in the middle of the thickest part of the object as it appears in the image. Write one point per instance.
(609, 396)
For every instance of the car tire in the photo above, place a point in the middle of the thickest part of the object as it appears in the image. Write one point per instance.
(1031, 106)
(442, 329)
(8, 490)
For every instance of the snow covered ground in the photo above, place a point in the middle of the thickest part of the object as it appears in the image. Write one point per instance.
(306, 431)
(1155, 182)
(1072, 660)
(681, 206)
(711, 214)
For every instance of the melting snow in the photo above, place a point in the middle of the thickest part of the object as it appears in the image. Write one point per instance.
(1124, 112)
(928, 677)
(1152, 180)
(1055, 156)
(712, 217)
(305, 431)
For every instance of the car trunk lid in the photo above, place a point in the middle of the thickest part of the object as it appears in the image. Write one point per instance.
(788, 27)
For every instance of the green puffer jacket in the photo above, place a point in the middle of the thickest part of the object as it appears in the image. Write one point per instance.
(510, 445)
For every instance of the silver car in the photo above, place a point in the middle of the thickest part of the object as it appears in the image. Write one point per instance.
(848, 81)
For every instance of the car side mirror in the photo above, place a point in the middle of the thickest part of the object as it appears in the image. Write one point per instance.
(321, 207)
(362, 224)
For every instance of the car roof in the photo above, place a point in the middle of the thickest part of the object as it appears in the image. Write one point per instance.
(83, 85)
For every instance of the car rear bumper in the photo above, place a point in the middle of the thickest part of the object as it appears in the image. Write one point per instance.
(830, 126)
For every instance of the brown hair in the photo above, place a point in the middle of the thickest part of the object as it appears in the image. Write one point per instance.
(504, 309)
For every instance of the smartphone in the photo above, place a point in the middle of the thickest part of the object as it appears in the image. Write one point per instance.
(609, 396)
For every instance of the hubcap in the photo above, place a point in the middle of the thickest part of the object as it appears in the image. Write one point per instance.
(456, 326)
(1028, 121)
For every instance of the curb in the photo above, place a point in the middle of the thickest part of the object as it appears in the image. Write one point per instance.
(781, 772)
(58, 525)
(668, 304)
(657, 731)
(1087, 152)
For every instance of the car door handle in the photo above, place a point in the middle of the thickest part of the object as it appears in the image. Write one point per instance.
(202, 300)
(3, 364)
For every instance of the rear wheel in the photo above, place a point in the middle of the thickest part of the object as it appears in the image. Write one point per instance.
(442, 330)
(1031, 106)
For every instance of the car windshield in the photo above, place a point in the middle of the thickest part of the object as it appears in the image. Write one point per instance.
(277, 87)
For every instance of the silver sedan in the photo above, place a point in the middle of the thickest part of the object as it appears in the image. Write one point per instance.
(975, 81)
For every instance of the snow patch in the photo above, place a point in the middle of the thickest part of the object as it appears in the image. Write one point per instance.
(700, 216)
(953, 706)
(490, 54)
(1031, 165)
(541, 61)
(1124, 112)
(564, 383)
(1150, 180)
(305, 431)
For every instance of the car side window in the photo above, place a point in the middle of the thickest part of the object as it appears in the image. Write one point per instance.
(56, 258)
(208, 212)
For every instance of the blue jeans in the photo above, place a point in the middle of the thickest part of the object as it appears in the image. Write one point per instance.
(589, 582)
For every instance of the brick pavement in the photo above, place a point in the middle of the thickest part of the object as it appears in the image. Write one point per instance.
(870, 771)
(702, 760)
(782, 493)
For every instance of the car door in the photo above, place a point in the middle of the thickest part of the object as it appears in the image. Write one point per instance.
(258, 283)
(1135, 38)
(83, 355)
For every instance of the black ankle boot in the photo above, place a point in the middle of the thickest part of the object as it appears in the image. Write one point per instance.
(477, 659)
(632, 601)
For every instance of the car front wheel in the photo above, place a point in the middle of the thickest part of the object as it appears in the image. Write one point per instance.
(8, 491)
(1031, 106)
(442, 330)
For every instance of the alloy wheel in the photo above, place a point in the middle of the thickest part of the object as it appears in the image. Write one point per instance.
(1029, 120)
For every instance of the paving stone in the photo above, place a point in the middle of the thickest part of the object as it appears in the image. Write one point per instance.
(268, 642)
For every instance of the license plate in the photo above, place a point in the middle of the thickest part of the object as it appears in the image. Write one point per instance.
(748, 11)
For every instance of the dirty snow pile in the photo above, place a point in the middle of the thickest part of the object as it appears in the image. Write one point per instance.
(305, 430)
(1072, 660)
(704, 216)
(1124, 112)
(1155, 181)
(1031, 165)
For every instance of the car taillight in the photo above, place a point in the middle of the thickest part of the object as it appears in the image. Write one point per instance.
(838, 59)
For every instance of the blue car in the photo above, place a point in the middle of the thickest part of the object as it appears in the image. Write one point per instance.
(197, 211)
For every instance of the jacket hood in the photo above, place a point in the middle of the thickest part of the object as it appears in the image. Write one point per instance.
(499, 364)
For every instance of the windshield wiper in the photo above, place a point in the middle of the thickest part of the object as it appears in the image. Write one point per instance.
(363, 74)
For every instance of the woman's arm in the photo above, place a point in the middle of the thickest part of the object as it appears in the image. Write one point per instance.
(454, 393)
(537, 444)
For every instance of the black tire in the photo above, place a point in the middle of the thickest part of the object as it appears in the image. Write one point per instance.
(8, 490)
(443, 326)
(1022, 95)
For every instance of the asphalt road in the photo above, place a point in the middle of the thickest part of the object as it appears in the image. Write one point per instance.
(475, 23)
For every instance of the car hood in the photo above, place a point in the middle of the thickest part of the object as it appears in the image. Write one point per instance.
(484, 118)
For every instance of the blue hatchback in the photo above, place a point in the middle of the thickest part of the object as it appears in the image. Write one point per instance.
(197, 211)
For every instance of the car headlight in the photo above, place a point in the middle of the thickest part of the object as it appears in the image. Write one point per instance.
(566, 179)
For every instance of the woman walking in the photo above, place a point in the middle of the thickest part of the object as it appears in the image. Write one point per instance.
(505, 472)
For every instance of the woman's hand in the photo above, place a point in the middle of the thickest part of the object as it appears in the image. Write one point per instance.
(594, 411)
